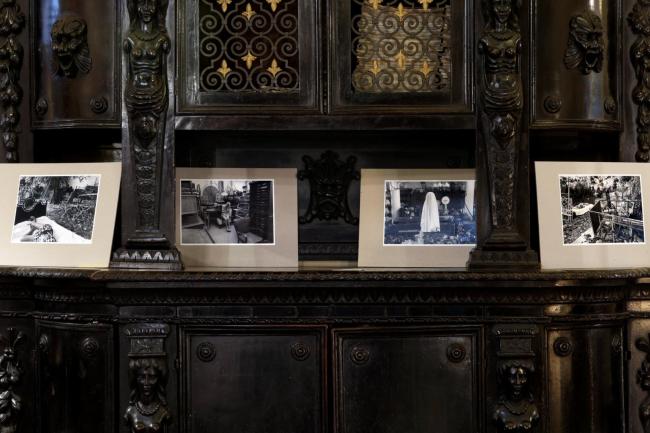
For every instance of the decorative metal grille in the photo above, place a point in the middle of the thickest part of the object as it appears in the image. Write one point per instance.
(248, 46)
(401, 46)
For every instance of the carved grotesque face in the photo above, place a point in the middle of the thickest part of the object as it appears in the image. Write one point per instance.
(585, 48)
(147, 10)
(70, 46)
(502, 10)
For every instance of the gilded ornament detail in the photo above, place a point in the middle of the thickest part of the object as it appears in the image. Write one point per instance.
(401, 46)
(252, 46)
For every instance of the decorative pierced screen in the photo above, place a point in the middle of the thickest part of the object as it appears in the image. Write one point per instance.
(401, 46)
(248, 45)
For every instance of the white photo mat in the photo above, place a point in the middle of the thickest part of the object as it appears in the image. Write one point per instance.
(57, 239)
(625, 244)
(281, 253)
(374, 252)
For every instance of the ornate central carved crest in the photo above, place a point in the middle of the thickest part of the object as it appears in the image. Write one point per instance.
(329, 181)
(586, 46)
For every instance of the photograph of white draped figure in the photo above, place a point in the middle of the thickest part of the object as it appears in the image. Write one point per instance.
(429, 212)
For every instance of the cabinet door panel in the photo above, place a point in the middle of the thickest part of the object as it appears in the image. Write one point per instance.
(75, 372)
(253, 381)
(243, 56)
(585, 380)
(77, 62)
(410, 381)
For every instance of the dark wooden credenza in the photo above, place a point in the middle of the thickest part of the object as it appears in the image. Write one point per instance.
(324, 351)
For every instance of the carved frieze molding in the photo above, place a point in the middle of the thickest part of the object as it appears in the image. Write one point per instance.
(12, 22)
(639, 21)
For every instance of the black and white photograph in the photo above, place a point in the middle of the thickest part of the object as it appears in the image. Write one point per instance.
(55, 209)
(227, 212)
(602, 209)
(429, 212)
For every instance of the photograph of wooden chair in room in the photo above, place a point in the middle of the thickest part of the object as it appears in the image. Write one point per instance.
(229, 209)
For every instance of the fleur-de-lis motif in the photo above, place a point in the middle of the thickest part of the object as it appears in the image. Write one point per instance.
(375, 3)
(224, 69)
(249, 12)
(224, 4)
(400, 12)
(375, 67)
(274, 69)
(274, 4)
(425, 69)
(425, 3)
(249, 59)
(401, 60)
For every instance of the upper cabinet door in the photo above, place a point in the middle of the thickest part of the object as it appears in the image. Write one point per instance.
(248, 56)
(401, 56)
(576, 64)
(76, 77)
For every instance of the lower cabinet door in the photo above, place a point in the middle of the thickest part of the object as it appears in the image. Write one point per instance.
(75, 377)
(585, 387)
(250, 380)
(406, 380)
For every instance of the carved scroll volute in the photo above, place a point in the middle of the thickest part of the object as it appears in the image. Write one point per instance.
(10, 376)
(501, 110)
(147, 46)
(147, 411)
(639, 20)
(515, 410)
(12, 22)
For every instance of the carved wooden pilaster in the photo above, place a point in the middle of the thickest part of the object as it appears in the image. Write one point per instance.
(147, 164)
(12, 22)
(515, 410)
(643, 380)
(639, 20)
(148, 375)
(10, 376)
(501, 103)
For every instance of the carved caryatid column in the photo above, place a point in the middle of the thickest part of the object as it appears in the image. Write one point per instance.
(501, 109)
(147, 411)
(515, 410)
(146, 96)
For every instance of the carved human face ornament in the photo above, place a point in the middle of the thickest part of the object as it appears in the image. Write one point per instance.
(502, 10)
(147, 10)
(147, 380)
(517, 377)
(70, 46)
(586, 46)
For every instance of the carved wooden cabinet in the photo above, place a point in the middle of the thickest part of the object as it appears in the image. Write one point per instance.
(324, 351)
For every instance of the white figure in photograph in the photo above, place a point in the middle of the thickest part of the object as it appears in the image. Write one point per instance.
(395, 201)
(430, 220)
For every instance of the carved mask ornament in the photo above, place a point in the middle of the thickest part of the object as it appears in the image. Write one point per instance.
(516, 410)
(70, 46)
(586, 46)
